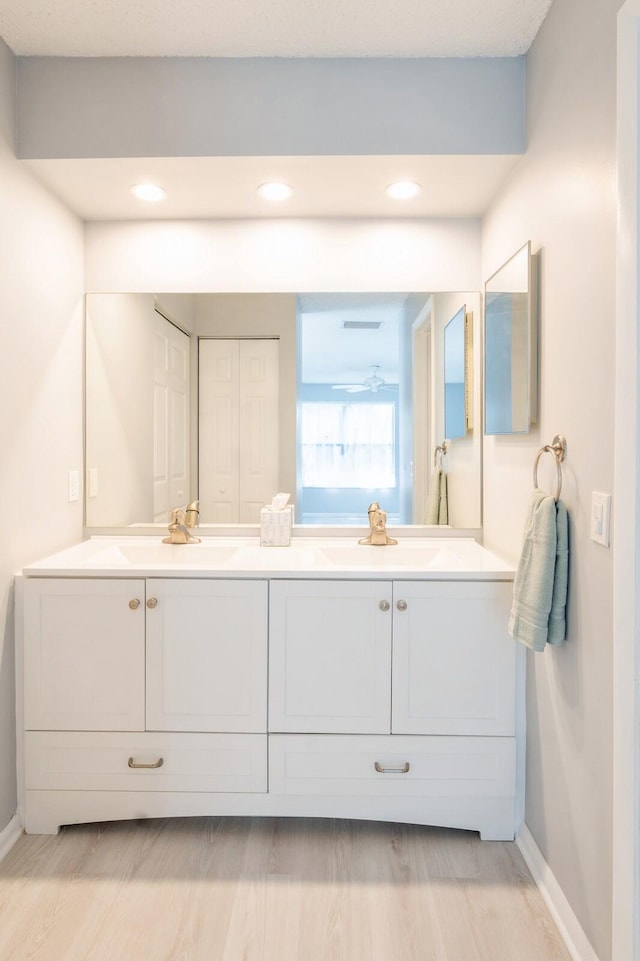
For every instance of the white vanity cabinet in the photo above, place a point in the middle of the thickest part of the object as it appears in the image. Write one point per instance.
(395, 696)
(290, 692)
(330, 656)
(206, 655)
(454, 665)
(139, 695)
(84, 654)
(336, 645)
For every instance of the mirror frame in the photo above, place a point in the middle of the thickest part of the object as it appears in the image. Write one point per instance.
(466, 372)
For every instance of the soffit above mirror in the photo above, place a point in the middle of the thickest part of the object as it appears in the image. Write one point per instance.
(211, 130)
(226, 187)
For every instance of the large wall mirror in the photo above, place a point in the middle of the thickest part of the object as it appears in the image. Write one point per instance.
(337, 398)
(510, 345)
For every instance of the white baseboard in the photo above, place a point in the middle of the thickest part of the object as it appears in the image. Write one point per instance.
(575, 939)
(9, 835)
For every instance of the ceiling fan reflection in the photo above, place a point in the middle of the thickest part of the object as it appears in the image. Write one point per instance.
(373, 382)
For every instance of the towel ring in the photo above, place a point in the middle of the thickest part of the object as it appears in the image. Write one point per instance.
(558, 447)
(438, 454)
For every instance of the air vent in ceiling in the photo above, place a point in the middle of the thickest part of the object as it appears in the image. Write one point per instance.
(361, 324)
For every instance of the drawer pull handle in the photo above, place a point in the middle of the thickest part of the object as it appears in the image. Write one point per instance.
(401, 605)
(384, 605)
(139, 764)
(152, 602)
(392, 770)
(134, 604)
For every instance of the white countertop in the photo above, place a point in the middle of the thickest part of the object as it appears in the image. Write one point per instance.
(318, 557)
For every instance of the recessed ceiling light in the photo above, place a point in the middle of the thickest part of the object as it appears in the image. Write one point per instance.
(403, 190)
(275, 191)
(149, 192)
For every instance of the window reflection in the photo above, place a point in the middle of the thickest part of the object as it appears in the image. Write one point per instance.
(349, 444)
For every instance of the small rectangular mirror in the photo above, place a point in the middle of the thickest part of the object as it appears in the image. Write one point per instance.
(456, 376)
(510, 344)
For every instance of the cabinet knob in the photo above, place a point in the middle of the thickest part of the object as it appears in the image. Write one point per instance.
(384, 605)
(152, 602)
(401, 605)
(134, 604)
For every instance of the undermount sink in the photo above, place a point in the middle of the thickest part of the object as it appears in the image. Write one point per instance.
(177, 555)
(389, 555)
(275, 558)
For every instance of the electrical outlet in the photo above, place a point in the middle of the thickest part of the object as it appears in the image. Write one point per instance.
(74, 486)
(600, 517)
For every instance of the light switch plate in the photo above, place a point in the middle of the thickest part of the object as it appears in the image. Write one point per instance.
(74, 485)
(93, 482)
(600, 517)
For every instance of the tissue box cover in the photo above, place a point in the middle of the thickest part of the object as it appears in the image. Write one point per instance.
(275, 526)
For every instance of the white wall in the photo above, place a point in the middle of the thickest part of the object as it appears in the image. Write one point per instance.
(120, 407)
(562, 196)
(178, 308)
(283, 255)
(41, 282)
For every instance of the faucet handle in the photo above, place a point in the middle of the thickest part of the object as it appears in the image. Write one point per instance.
(177, 516)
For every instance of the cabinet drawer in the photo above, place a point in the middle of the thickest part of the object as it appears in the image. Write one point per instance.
(190, 762)
(379, 766)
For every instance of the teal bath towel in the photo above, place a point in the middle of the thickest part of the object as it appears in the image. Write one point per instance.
(540, 586)
(557, 616)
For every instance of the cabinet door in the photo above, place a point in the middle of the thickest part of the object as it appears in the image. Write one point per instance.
(453, 661)
(206, 655)
(330, 657)
(84, 654)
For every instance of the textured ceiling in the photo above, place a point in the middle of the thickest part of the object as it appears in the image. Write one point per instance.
(276, 28)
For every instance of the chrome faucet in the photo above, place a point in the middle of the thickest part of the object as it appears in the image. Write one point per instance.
(180, 523)
(377, 527)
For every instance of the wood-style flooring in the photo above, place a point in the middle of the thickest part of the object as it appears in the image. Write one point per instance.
(269, 889)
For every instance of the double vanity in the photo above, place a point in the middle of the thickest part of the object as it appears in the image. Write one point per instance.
(324, 679)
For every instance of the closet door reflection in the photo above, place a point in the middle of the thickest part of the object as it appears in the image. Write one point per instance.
(171, 483)
(238, 429)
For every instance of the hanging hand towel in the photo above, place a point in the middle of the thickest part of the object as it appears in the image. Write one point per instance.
(443, 502)
(557, 616)
(433, 498)
(540, 584)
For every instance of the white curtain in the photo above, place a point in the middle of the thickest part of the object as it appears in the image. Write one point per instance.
(348, 445)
